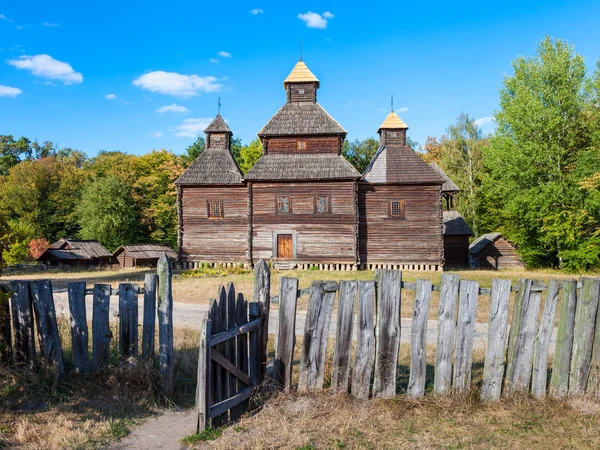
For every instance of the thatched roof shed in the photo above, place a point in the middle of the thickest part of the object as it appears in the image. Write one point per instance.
(74, 252)
(146, 255)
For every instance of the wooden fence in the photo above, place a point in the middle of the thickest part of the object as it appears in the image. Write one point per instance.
(32, 309)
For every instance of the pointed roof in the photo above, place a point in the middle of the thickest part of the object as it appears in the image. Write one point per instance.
(392, 121)
(218, 126)
(448, 185)
(301, 118)
(214, 166)
(301, 74)
(455, 224)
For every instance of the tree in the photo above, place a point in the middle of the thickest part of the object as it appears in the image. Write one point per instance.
(13, 152)
(250, 154)
(432, 152)
(108, 213)
(236, 150)
(194, 150)
(360, 153)
(17, 249)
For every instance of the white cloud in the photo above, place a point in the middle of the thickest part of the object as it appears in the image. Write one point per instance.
(403, 109)
(191, 127)
(110, 96)
(45, 66)
(173, 83)
(156, 134)
(7, 91)
(50, 24)
(484, 121)
(256, 11)
(224, 54)
(172, 108)
(214, 60)
(315, 20)
(6, 19)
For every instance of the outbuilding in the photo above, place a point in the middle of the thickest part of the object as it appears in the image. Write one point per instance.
(456, 241)
(492, 252)
(74, 252)
(142, 255)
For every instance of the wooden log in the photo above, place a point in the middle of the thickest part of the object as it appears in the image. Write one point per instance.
(5, 328)
(493, 370)
(165, 324)
(47, 328)
(343, 340)
(446, 332)
(203, 378)
(365, 345)
(539, 379)
(79, 327)
(520, 362)
(148, 332)
(418, 341)
(387, 333)
(231, 352)
(561, 365)
(286, 336)
(128, 320)
(316, 334)
(262, 294)
(465, 333)
(583, 338)
(101, 334)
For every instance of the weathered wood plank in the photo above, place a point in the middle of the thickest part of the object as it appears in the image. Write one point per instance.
(165, 324)
(520, 362)
(583, 338)
(231, 368)
(539, 379)
(316, 333)
(343, 341)
(223, 381)
(22, 317)
(262, 294)
(523, 288)
(148, 332)
(242, 353)
(203, 377)
(128, 320)
(418, 341)
(5, 328)
(446, 332)
(465, 333)
(101, 334)
(365, 345)
(79, 327)
(255, 355)
(493, 370)
(593, 383)
(221, 408)
(231, 354)
(47, 328)
(286, 336)
(234, 332)
(387, 333)
(561, 365)
(215, 370)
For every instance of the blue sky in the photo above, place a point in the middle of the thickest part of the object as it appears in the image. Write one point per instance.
(96, 77)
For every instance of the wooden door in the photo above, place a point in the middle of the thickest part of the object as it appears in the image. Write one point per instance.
(284, 246)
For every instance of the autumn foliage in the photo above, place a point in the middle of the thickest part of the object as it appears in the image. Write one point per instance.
(37, 247)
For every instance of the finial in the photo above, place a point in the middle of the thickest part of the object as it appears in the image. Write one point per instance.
(300, 49)
(392, 102)
(219, 106)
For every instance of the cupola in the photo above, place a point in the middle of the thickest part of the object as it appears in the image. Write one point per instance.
(301, 84)
(392, 130)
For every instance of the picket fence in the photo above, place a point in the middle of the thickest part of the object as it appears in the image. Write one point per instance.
(32, 309)
(516, 358)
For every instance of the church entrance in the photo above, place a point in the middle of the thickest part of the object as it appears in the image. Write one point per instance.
(284, 246)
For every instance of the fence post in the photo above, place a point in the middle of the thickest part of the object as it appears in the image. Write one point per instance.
(593, 382)
(204, 377)
(493, 370)
(343, 340)
(5, 329)
(101, 334)
(418, 341)
(561, 366)
(45, 317)
(262, 294)
(22, 317)
(79, 328)
(465, 333)
(150, 281)
(165, 319)
(365, 345)
(286, 333)
(446, 331)
(128, 319)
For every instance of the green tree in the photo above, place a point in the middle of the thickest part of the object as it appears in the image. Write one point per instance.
(250, 154)
(16, 250)
(360, 153)
(13, 152)
(194, 150)
(236, 150)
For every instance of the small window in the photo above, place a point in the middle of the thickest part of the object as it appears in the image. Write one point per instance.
(301, 91)
(215, 208)
(393, 134)
(301, 145)
(397, 209)
(284, 205)
(322, 204)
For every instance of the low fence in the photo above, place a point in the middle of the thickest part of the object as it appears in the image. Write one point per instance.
(32, 310)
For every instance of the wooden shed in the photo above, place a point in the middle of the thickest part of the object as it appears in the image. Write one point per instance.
(142, 255)
(456, 240)
(492, 252)
(74, 252)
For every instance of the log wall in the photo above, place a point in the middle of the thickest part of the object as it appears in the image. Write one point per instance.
(456, 251)
(314, 144)
(499, 255)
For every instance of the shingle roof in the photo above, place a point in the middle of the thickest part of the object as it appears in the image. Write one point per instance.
(214, 166)
(301, 118)
(77, 249)
(455, 225)
(395, 164)
(147, 251)
(482, 241)
(448, 185)
(218, 126)
(300, 73)
(392, 121)
(323, 166)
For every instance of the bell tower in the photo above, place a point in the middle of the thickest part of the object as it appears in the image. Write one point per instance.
(301, 84)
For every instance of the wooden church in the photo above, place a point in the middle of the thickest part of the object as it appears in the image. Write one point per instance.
(303, 203)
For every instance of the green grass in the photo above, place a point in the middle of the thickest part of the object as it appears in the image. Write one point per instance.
(207, 435)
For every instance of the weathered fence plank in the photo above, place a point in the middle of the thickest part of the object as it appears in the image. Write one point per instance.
(165, 324)
(316, 333)
(493, 370)
(223, 381)
(593, 383)
(231, 351)
(446, 332)
(286, 336)
(418, 341)
(47, 328)
(343, 340)
(539, 379)
(79, 327)
(262, 294)
(525, 326)
(215, 390)
(365, 345)
(241, 361)
(387, 332)
(148, 331)
(22, 317)
(583, 337)
(255, 356)
(101, 334)
(203, 388)
(128, 319)
(561, 365)
(465, 333)
(5, 328)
